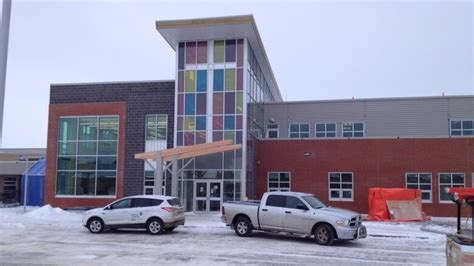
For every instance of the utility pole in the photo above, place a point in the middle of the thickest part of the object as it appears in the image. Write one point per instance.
(4, 32)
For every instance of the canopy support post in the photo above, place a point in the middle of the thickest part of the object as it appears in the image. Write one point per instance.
(159, 174)
(174, 176)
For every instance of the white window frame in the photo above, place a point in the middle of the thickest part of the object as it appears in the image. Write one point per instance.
(277, 130)
(340, 189)
(279, 188)
(461, 130)
(451, 184)
(299, 130)
(353, 130)
(325, 132)
(418, 184)
(165, 141)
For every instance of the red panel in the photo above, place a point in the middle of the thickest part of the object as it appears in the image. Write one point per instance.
(374, 163)
(190, 53)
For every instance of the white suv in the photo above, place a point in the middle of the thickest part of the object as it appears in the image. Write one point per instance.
(154, 213)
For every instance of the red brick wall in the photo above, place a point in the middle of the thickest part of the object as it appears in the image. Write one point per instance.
(57, 110)
(374, 162)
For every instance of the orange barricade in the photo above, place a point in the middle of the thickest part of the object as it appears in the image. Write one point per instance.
(378, 197)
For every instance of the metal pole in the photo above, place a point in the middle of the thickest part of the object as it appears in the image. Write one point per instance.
(25, 191)
(174, 176)
(458, 217)
(159, 174)
(4, 32)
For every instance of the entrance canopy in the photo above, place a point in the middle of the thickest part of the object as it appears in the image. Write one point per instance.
(180, 153)
(190, 151)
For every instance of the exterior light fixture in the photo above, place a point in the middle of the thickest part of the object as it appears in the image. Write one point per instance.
(307, 153)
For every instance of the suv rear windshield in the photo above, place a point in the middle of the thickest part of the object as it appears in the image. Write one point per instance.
(174, 202)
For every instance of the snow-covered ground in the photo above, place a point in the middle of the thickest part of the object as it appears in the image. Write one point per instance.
(49, 235)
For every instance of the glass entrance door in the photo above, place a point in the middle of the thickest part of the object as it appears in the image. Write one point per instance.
(208, 196)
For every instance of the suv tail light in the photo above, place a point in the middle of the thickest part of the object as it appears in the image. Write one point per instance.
(223, 210)
(169, 209)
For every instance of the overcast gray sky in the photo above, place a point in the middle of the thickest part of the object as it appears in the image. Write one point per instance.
(318, 49)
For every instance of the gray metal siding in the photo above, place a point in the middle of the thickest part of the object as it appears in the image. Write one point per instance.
(410, 117)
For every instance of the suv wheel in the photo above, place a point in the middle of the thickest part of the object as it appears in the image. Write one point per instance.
(324, 235)
(243, 226)
(154, 226)
(95, 225)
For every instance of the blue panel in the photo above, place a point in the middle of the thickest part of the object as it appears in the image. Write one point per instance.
(200, 123)
(219, 80)
(202, 80)
(190, 104)
(35, 194)
(229, 122)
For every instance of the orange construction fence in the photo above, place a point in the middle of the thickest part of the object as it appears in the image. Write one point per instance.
(378, 197)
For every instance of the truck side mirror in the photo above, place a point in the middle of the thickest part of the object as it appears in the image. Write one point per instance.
(302, 207)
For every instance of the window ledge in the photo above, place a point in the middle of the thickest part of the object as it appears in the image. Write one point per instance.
(86, 197)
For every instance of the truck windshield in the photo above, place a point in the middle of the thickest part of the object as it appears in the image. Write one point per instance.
(314, 202)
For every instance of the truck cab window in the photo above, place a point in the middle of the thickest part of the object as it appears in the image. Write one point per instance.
(276, 201)
(292, 202)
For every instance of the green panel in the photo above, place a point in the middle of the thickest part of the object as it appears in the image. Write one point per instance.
(106, 183)
(108, 128)
(67, 148)
(189, 123)
(66, 163)
(65, 183)
(240, 103)
(85, 183)
(218, 51)
(230, 79)
(107, 148)
(229, 135)
(151, 133)
(191, 81)
(88, 128)
(87, 148)
(67, 129)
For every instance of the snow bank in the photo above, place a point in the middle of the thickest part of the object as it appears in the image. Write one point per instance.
(47, 212)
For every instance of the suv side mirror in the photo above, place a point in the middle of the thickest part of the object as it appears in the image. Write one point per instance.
(108, 207)
(302, 207)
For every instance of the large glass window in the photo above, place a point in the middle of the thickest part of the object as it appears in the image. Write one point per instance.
(449, 180)
(325, 130)
(298, 131)
(279, 181)
(353, 129)
(87, 156)
(341, 187)
(421, 181)
(462, 128)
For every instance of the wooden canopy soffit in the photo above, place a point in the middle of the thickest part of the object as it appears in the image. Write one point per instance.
(190, 151)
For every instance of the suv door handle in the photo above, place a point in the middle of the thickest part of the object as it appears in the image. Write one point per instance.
(264, 210)
(287, 212)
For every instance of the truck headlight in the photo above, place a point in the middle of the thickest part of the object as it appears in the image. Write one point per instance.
(340, 223)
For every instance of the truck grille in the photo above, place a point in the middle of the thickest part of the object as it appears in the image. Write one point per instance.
(356, 221)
